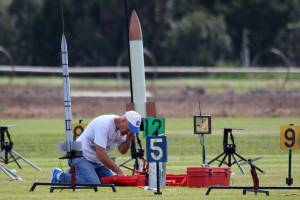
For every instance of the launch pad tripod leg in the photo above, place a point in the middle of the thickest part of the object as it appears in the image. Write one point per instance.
(236, 162)
(10, 174)
(25, 160)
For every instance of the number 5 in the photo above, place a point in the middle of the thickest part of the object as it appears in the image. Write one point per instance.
(156, 148)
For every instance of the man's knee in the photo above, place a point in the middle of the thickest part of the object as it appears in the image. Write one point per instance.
(103, 171)
(93, 180)
(85, 172)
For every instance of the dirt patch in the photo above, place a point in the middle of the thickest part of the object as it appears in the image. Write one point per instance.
(46, 101)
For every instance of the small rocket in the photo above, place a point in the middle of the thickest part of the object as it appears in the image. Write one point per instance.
(69, 145)
(137, 64)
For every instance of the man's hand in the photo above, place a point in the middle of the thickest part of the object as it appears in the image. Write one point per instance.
(123, 148)
(130, 136)
(120, 173)
(107, 161)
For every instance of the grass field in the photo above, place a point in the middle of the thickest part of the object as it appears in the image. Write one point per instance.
(37, 139)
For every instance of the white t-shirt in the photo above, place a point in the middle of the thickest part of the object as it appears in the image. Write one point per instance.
(103, 132)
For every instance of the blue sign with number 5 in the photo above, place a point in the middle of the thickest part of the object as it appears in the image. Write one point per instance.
(156, 148)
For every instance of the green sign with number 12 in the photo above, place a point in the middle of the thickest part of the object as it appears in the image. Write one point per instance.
(153, 126)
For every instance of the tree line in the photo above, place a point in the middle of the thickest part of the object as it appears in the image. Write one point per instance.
(175, 32)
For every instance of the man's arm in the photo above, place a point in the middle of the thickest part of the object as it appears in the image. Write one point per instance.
(123, 148)
(107, 161)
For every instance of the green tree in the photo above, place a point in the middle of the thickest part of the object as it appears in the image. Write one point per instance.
(95, 29)
(22, 13)
(288, 39)
(6, 31)
(263, 19)
(198, 39)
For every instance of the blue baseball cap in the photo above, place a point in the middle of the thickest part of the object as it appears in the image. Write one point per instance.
(134, 121)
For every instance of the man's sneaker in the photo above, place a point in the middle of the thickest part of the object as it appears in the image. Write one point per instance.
(54, 175)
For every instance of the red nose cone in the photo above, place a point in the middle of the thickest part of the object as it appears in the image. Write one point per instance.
(135, 31)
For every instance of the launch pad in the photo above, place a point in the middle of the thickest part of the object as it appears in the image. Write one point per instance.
(62, 186)
(230, 152)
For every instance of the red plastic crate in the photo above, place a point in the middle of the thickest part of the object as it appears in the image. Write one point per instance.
(134, 180)
(208, 176)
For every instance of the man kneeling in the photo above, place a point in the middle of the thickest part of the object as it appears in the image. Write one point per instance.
(101, 136)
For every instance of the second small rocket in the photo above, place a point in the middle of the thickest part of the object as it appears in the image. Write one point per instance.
(69, 145)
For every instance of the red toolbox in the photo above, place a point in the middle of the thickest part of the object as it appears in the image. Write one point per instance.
(208, 176)
(134, 180)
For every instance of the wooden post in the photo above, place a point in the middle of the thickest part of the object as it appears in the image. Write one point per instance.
(129, 106)
(151, 109)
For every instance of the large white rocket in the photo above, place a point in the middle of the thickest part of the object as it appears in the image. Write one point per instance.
(137, 65)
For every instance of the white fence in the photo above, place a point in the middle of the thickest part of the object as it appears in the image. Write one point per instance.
(159, 70)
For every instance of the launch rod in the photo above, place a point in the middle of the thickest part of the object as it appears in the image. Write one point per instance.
(128, 47)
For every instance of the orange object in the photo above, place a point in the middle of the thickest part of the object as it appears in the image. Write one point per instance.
(208, 176)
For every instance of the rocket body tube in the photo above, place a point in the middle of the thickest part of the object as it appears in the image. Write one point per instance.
(67, 94)
(137, 64)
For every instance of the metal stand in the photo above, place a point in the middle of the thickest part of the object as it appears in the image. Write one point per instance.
(229, 152)
(158, 192)
(7, 154)
(256, 189)
(201, 136)
(202, 126)
(289, 179)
